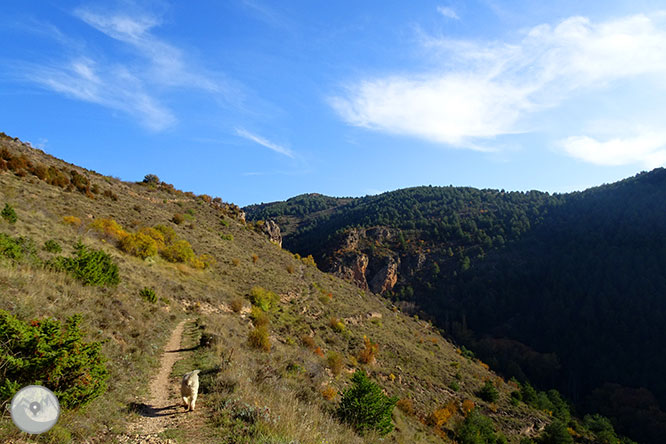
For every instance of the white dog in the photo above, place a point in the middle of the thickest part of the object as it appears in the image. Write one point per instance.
(189, 388)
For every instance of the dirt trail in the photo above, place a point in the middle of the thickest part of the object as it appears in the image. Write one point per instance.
(164, 410)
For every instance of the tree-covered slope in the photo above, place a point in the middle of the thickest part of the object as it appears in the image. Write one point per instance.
(565, 290)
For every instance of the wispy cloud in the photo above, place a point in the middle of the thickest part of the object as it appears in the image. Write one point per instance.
(137, 85)
(489, 89)
(264, 142)
(448, 12)
(113, 87)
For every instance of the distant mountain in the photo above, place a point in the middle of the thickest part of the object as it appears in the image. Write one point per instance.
(566, 290)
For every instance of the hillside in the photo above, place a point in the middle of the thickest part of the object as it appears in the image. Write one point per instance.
(276, 339)
(562, 290)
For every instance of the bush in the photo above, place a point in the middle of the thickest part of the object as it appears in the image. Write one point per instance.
(441, 416)
(259, 317)
(72, 220)
(263, 298)
(335, 362)
(237, 305)
(151, 179)
(478, 429)
(109, 228)
(329, 393)
(368, 353)
(139, 244)
(255, 258)
(92, 267)
(336, 324)
(46, 352)
(258, 338)
(556, 433)
(9, 214)
(228, 237)
(148, 294)
(365, 407)
(488, 392)
(16, 248)
(178, 219)
(52, 246)
(179, 251)
(454, 385)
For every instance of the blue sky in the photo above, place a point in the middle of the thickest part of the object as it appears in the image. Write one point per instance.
(256, 101)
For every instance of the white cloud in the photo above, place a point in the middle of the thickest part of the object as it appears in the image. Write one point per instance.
(647, 149)
(488, 89)
(448, 12)
(264, 142)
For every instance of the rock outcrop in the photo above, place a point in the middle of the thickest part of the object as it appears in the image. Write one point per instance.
(352, 267)
(272, 230)
(387, 276)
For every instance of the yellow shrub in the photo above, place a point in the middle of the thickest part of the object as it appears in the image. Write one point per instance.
(309, 260)
(368, 353)
(207, 260)
(139, 244)
(154, 234)
(441, 416)
(336, 324)
(329, 393)
(72, 220)
(168, 234)
(109, 228)
(255, 258)
(179, 251)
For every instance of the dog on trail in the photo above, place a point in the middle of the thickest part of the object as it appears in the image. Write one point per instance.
(189, 388)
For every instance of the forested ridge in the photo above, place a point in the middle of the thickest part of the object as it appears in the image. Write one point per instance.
(564, 290)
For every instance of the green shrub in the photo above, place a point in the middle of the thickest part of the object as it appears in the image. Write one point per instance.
(263, 298)
(151, 179)
(488, 392)
(16, 248)
(52, 246)
(148, 294)
(46, 352)
(453, 385)
(9, 214)
(556, 433)
(227, 236)
(92, 267)
(478, 429)
(365, 407)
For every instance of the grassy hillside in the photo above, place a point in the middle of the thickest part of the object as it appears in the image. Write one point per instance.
(281, 338)
(562, 290)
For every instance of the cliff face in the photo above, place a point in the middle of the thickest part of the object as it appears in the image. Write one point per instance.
(362, 256)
